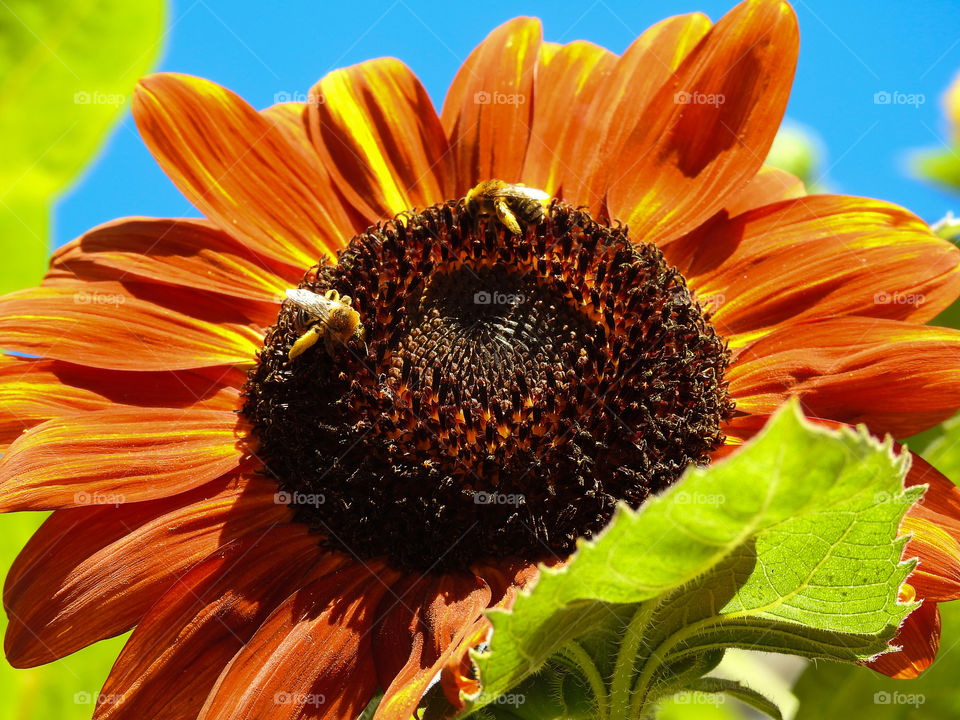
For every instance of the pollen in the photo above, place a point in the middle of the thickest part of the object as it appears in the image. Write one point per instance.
(506, 392)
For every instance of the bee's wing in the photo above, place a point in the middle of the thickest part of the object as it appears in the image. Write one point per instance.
(312, 303)
(522, 191)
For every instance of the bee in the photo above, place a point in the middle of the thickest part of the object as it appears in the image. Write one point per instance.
(331, 317)
(514, 205)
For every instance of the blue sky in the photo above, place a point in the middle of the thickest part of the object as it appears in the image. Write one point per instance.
(849, 52)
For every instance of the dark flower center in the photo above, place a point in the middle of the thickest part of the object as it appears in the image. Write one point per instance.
(505, 392)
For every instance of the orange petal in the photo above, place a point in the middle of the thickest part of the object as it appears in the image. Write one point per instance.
(770, 185)
(488, 110)
(815, 257)
(374, 126)
(311, 657)
(239, 169)
(178, 650)
(705, 133)
(191, 253)
(568, 79)
(895, 377)
(32, 391)
(430, 628)
(506, 579)
(645, 67)
(920, 638)
(92, 573)
(288, 118)
(935, 525)
(106, 325)
(117, 455)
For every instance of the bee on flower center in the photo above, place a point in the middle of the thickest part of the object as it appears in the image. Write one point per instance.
(330, 317)
(516, 206)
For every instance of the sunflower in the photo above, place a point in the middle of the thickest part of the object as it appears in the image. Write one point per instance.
(288, 535)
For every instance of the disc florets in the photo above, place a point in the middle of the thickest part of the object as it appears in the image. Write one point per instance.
(506, 392)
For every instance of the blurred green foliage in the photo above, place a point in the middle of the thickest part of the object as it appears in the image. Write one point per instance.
(799, 151)
(829, 690)
(67, 70)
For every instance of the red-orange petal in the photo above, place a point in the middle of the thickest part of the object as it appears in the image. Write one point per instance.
(488, 110)
(895, 377)
(288, 118)
(32, 391)
(177, 652)
(311, 657)
(239, 169)
(816, 257)
(618, 105)
(106, 325)
(505, 579)
(705, 133)
(190, 253)
(919, 636)
(935, 526)
(568, 79)
(117, 455)
(374, 126)
(92, 573)
(770, 185)
(432, 626)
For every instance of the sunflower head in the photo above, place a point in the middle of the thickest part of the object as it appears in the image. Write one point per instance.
(509, 388)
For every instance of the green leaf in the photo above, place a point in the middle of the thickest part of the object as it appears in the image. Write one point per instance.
(738, 690)
(940, 166)
(67, 69)
(787, 546)
(828, 690)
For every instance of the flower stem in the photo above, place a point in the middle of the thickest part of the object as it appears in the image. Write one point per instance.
(623, 672)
